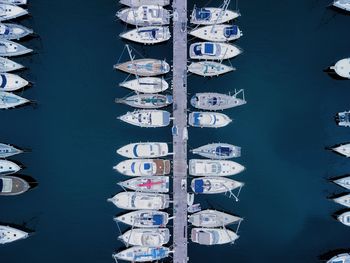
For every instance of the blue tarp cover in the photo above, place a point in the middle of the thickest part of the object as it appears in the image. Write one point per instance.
(198, 186)
(202, 14)
(223, 151)
(209, 48)
(146, 166)
(158, 220)
(196, 116)
(231, 31)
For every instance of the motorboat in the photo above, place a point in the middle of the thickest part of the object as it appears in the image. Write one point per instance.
(8, 167)
(138, 200)
(212, 15)
(209, 68)
(217, 101)
(9, 100)
(145, 67)
(134, 3)
(343, 149)
(212, 218)
(148, 35)
(11, 82)
(343, 118)
(343, 200)
(143, 167)
(344, 218)
(8, 150)
(11, 185)
(144, 150)
(342, 4)
(7, 65)
(214, 185)
(208, 119)
(343, 182)
(14, 31)
(205, 167)
(218, 151)
(148, 237)
(9, 234)
(152, 184)
(212, 236)
(147, 118)
(144, 218)
(14, 2)
(342, 67)
(217, 33)
(142, 254)
(8, 11)
(341, 258)
(145, 15)
(213, 51)
(146, 85)
(147, 101)
(9, 48)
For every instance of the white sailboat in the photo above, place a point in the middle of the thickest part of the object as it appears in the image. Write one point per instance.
(9, 234)
(143, 167)
(11, 82)
(217, 101)
(147, 184)
(205, 167)
(146, 85)
(212, 15)
(343, 149)
(142, 254)
(344, 218)
(7, 65)
(213, 236)
(214, 185)
(8, 167)
(9, 11)
(342, 67)
(212, 218)
(138, 200)
(208, 119)
(148, 35)
(218, 151)
(343, 200)
(148, 237)
(144, 218)
(145, 15)
(14, 31)
(147, 118)
(217, 33)
(213, 51)
(9, 49)
(9, 100)
(209, 68)
(135, 3)
(343, 182)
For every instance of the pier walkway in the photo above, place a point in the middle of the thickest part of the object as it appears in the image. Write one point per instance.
(180, 130)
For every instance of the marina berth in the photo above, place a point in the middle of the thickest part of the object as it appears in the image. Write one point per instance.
(8, 150)
(144, 219)
(11, 82)
(217, 33)
(209, 68)
(9, 100)
(214, 185)
(9, 49)
(14, 2)
(343, 118)
(218, 151)
(212, 15)
(343, 149)
(341, 258)
(213, 236)
(7, 65)
(8, 167)
(213, 51)
(208, 119)
(148, 35)
(14, 31)
(144, 67)
(8, 11)
(212, 218)
(9, 234)
(143, 167)
(138, 200)
(147, 101)
(134, 3)
(342, 67)
(148, 237)
(343, 200)
(344, 218)
(147, 118)
(205, 167)
(145, 15)
(152, 184)
(142, 254)
(11, 185)
(144, 150)
(217, 101)
(146, 85)
(343, 182)
(342, 4)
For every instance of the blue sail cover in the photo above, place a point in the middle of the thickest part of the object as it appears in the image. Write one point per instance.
(198, 186)
(208, 48)
(158, 220)
(146, 166)
(231, 31)
(202, 14)
(223, 151)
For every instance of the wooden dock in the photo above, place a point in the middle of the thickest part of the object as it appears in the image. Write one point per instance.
(180, 131)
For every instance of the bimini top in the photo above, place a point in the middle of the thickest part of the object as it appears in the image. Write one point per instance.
(231, 31)
(202, 14)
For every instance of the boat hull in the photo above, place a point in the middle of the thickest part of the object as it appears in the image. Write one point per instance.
(146, 85)
(209, 68)
(144, 219)
(11, 185)
(9, 100)
(148, 35)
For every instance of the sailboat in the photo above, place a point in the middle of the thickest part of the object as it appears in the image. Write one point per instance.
(14, 31)
(217, 33)
(11, 82)
(7, 65)
(9, 11)
(213, 51)
(146, 84)
(209, 68)
(148, 35)
(147, 101)
(9, 100)
(217, 101)
(145, 15)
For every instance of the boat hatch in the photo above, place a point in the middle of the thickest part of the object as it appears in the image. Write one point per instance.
(213, 101)
(230, 31)
(146, 166)
(199, 186)
(209, 48)
(202, 14)
(223, 151)
(158, 220)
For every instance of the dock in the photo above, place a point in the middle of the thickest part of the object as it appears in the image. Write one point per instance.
(180, 131)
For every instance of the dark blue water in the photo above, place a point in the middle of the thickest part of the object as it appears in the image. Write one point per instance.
(283, 130)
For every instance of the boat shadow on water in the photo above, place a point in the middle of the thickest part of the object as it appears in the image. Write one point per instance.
(331, 253)
(331, 73)
(30, 180)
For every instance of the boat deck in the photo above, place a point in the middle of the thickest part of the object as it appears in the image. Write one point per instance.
(180, 137)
